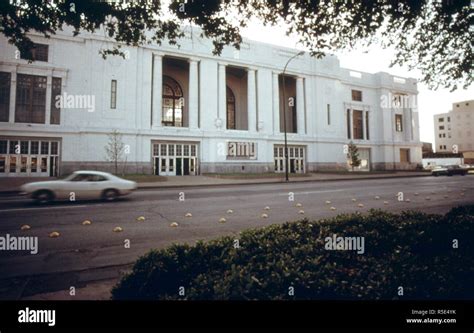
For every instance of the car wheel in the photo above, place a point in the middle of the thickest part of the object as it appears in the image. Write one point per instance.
(43, 197)
(110, 195)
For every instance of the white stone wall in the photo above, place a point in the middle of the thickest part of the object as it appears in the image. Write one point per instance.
(321, 82)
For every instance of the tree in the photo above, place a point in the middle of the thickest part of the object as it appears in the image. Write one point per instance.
(353, 155)
(433, 36)
(115, 149)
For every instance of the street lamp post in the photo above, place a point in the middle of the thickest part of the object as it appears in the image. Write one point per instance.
(284, 112)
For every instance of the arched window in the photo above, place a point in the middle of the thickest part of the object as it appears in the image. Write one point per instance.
(173, 103)
(230, 109)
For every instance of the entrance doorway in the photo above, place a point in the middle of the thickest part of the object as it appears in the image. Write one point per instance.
(29, 157)
(175, 159)
(296, 158)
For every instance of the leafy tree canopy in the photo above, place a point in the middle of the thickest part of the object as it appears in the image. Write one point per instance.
(433, 36)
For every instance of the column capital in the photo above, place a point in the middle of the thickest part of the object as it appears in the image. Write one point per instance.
(193, 60)
(222, 63)
(251, 69)
(158, 54)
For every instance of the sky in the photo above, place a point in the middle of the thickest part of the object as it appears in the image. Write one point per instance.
(372, 60)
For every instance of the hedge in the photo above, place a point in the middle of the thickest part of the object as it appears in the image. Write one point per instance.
(411, 250)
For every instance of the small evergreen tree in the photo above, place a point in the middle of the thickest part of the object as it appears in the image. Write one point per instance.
(353, 155)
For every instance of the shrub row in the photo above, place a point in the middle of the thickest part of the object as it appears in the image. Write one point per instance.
(412, 250)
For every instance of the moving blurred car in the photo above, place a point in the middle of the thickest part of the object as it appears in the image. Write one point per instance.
(449, 170)
(81, 185)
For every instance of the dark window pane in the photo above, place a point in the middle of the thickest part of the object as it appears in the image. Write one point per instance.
(30, 99)
(44, 148)
(54, 148)
(357, 95)
(230, 109)
(38, 53)
(55, 94)
(357, 123)
(3, 146)
(24, 147)
(34, 149)
(5, 82)
(13, 147)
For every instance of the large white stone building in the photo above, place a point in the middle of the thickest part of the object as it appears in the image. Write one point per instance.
(183, 111)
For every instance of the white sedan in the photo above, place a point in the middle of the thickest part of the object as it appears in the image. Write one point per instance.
(81, 185)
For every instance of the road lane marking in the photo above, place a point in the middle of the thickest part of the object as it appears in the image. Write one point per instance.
(41, 208)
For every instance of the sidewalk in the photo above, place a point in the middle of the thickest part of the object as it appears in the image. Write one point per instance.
(12, 185)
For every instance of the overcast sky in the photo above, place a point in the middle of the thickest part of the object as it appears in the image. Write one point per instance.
(375, 60)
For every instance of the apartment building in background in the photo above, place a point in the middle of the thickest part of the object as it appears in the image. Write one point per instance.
(454, 130)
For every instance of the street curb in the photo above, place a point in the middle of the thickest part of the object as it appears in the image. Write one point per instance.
(280, 182)
(16, 193)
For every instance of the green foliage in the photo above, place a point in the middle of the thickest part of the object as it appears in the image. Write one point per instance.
(432, 36)
(353, 155)
(413, 250)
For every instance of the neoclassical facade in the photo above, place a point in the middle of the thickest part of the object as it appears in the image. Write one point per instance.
(183, 111)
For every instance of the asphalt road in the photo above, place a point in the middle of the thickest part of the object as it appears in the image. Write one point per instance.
(85, 252)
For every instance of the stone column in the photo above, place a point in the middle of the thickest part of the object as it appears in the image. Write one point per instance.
(49, 87)
(251, 101)
(351, 123)
(193, 108)
(157, 88)
(276, 104)
(300, 107)
(364, 128)
(222, 99)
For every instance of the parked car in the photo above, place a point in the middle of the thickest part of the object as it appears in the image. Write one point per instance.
(449, 170)
(80, 185)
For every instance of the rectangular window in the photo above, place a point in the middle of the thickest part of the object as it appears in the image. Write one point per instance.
(2, 164)
(30, 99)
(3, 146)
(440, 120)
(163, 149)
(23, 163)
(449, 118)
(44, 148)
(358, 123)
(54, 148)
(357, 95)
(39, 52)
(193, 150)
(113, 94)
(329, 114)
(441, 127)
(186, 150)
(156, 150)
(55, 95)
(398, 123)
(34, 147)
(34, 164)
(348, 116)
(14, 147)
(44, 164)
(12, 164)
(5, 82)
(24, 147)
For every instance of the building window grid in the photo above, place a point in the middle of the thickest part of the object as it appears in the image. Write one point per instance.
(5, 84)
